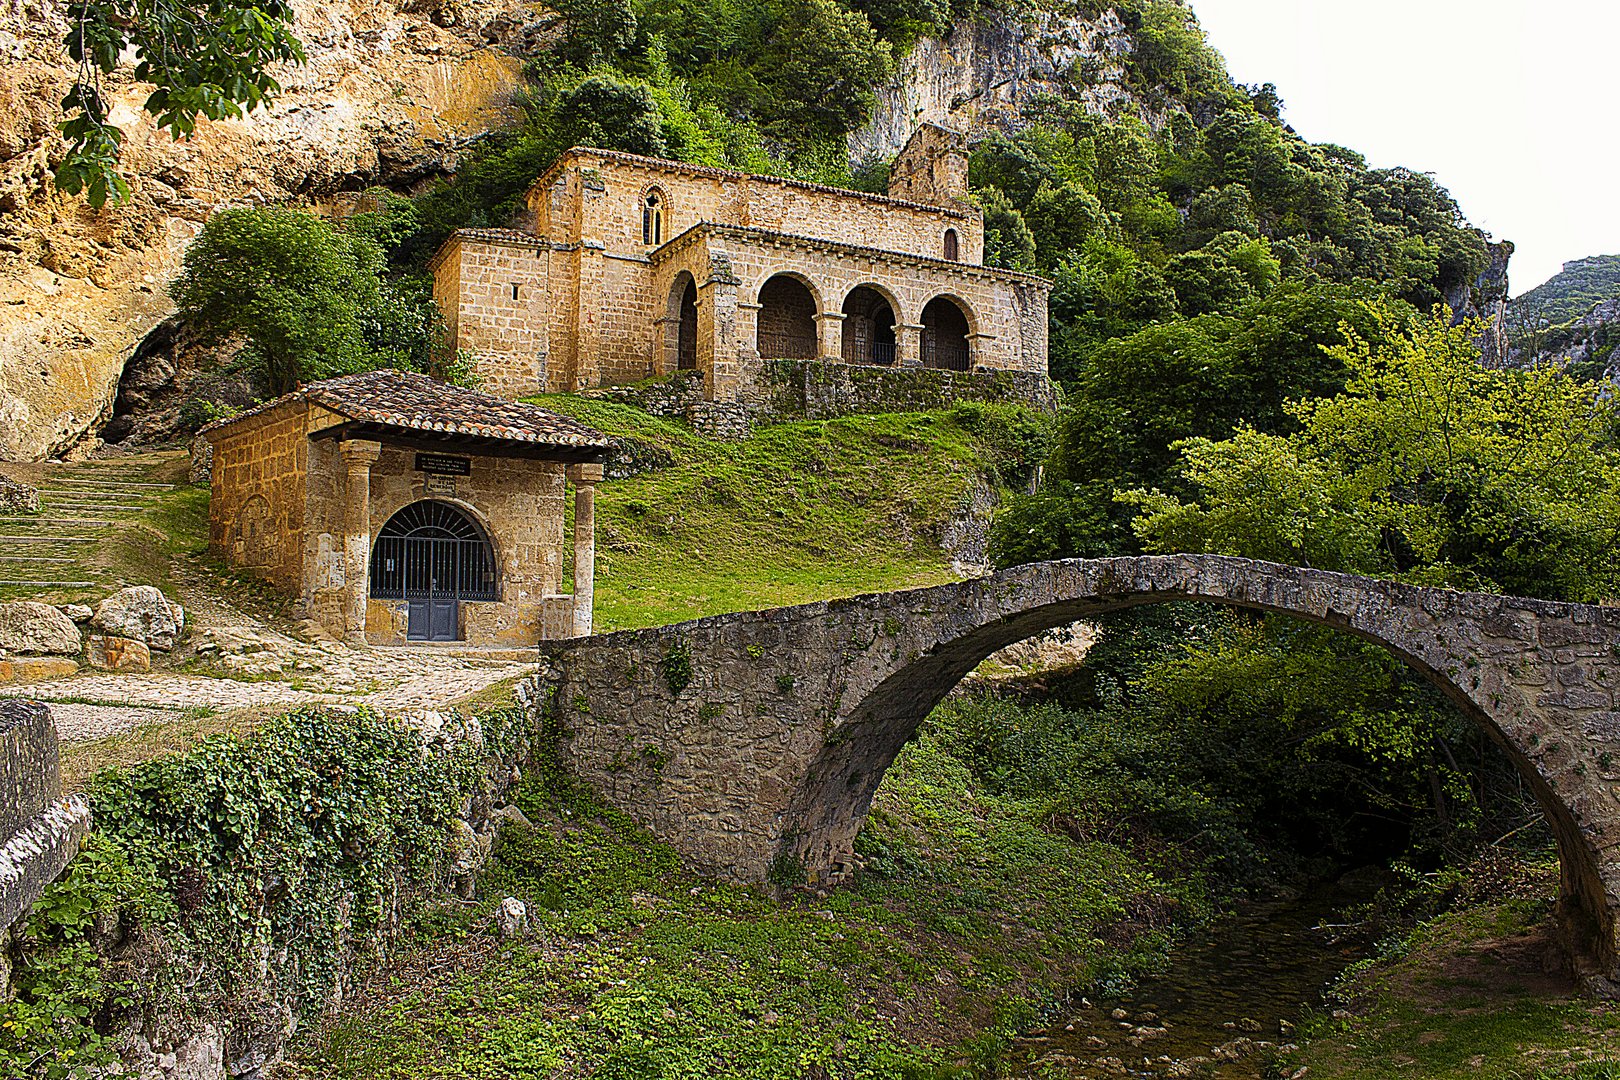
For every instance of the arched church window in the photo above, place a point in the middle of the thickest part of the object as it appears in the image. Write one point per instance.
(652, 218)
(952, 251)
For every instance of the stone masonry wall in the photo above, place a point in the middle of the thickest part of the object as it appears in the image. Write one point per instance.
(519, 503)
(497, 299)
(589, 196)
(754, 742)
(39, 829)
(256, 514)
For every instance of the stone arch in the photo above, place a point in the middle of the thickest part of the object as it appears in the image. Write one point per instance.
(948, 329)
(788, 305)
(681, 324)
(471, 556)
(1456, 644)
(654, 216)
(871, 314)
(793, 715)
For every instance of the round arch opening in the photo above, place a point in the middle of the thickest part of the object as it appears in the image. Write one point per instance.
(945, 335)
(868, 331)
(787, 320)
(831, 803)
(434, 556)
(684, 320)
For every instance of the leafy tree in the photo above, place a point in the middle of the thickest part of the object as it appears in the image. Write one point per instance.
(305, 297)
(595, 30)
(1427, 467)
(610, 113)
(204, 58)
(1008, 241)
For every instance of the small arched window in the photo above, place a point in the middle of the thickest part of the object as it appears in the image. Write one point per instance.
(514, 290)
(652, 219)
(952, 251)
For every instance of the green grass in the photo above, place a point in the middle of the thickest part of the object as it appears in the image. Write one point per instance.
(138, 549)
(1467, 995)
(635, 969)
(799, 512)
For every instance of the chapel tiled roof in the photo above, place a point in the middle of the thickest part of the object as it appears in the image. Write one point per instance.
(410, 401)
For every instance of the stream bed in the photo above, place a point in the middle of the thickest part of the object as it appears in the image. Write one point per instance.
(1232, 994)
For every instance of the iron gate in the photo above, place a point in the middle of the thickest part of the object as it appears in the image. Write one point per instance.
(433, 556)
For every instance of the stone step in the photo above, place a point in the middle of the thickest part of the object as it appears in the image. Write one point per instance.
(87, 493)
(48, 584)
(100, 508)
(53, 539)
(36, 558)
(113, 484)
(23, 523)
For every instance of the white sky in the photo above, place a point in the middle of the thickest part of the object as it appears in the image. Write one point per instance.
(1513, 106)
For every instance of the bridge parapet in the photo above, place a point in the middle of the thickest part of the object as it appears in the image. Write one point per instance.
(754, 742)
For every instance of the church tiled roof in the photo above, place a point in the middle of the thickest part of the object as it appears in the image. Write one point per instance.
(408, 401)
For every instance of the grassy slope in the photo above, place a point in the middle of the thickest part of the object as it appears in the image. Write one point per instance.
(800, 512)
(635, 969)
(1468, 994)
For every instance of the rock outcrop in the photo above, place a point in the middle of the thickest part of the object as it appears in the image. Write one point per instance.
(978, 78)
(140, 613)
(36, 629)
(388, 96)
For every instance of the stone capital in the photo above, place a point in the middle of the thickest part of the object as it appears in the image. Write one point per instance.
(360, 453)
(586, 472)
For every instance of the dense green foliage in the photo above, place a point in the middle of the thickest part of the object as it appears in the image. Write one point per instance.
(203, 58)
(308, 298)
(1427, 468)
(279, 849)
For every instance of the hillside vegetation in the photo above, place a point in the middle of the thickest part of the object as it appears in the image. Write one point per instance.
(799, 512)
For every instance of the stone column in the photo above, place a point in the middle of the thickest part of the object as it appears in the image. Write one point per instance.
(585, 478)
(358, 457)
(830, 335)
(908, 345)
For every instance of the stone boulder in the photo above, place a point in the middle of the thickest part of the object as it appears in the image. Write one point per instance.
(143, 613)
(17, 497)
(33, 628)
(77, 612)
(107, 653)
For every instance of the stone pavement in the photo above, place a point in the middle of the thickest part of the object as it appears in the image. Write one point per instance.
(95, 705)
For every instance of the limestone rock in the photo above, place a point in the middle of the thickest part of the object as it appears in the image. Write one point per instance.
(512, 917)
(17, 497)
(77, 612)
(29, 669)
(107, 653)
(143, 613)
(29, 627)
(387, 96)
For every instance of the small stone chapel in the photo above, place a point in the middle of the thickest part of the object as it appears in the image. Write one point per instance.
(398, 509)
(628, 267)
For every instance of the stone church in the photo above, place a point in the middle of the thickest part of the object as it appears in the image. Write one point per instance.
(634, 267)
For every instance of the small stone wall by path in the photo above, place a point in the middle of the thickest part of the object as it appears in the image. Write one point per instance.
(754, 742)
(39, 829)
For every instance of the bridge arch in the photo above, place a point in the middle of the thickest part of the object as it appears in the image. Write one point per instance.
(791, 717)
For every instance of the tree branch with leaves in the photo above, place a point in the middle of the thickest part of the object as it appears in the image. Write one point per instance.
(206, 58)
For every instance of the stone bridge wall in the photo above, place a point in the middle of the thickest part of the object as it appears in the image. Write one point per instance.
(754, 742)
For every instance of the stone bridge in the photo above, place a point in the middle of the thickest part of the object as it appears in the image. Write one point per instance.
(754, 742)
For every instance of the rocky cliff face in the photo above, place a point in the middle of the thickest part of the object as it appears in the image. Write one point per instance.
(388, 96)
(1487, 300)
(978, 78)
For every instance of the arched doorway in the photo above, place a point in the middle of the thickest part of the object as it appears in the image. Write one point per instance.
(433, 555)
(945, 335)
(868, 327)
(787, 320)
(683, 309)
